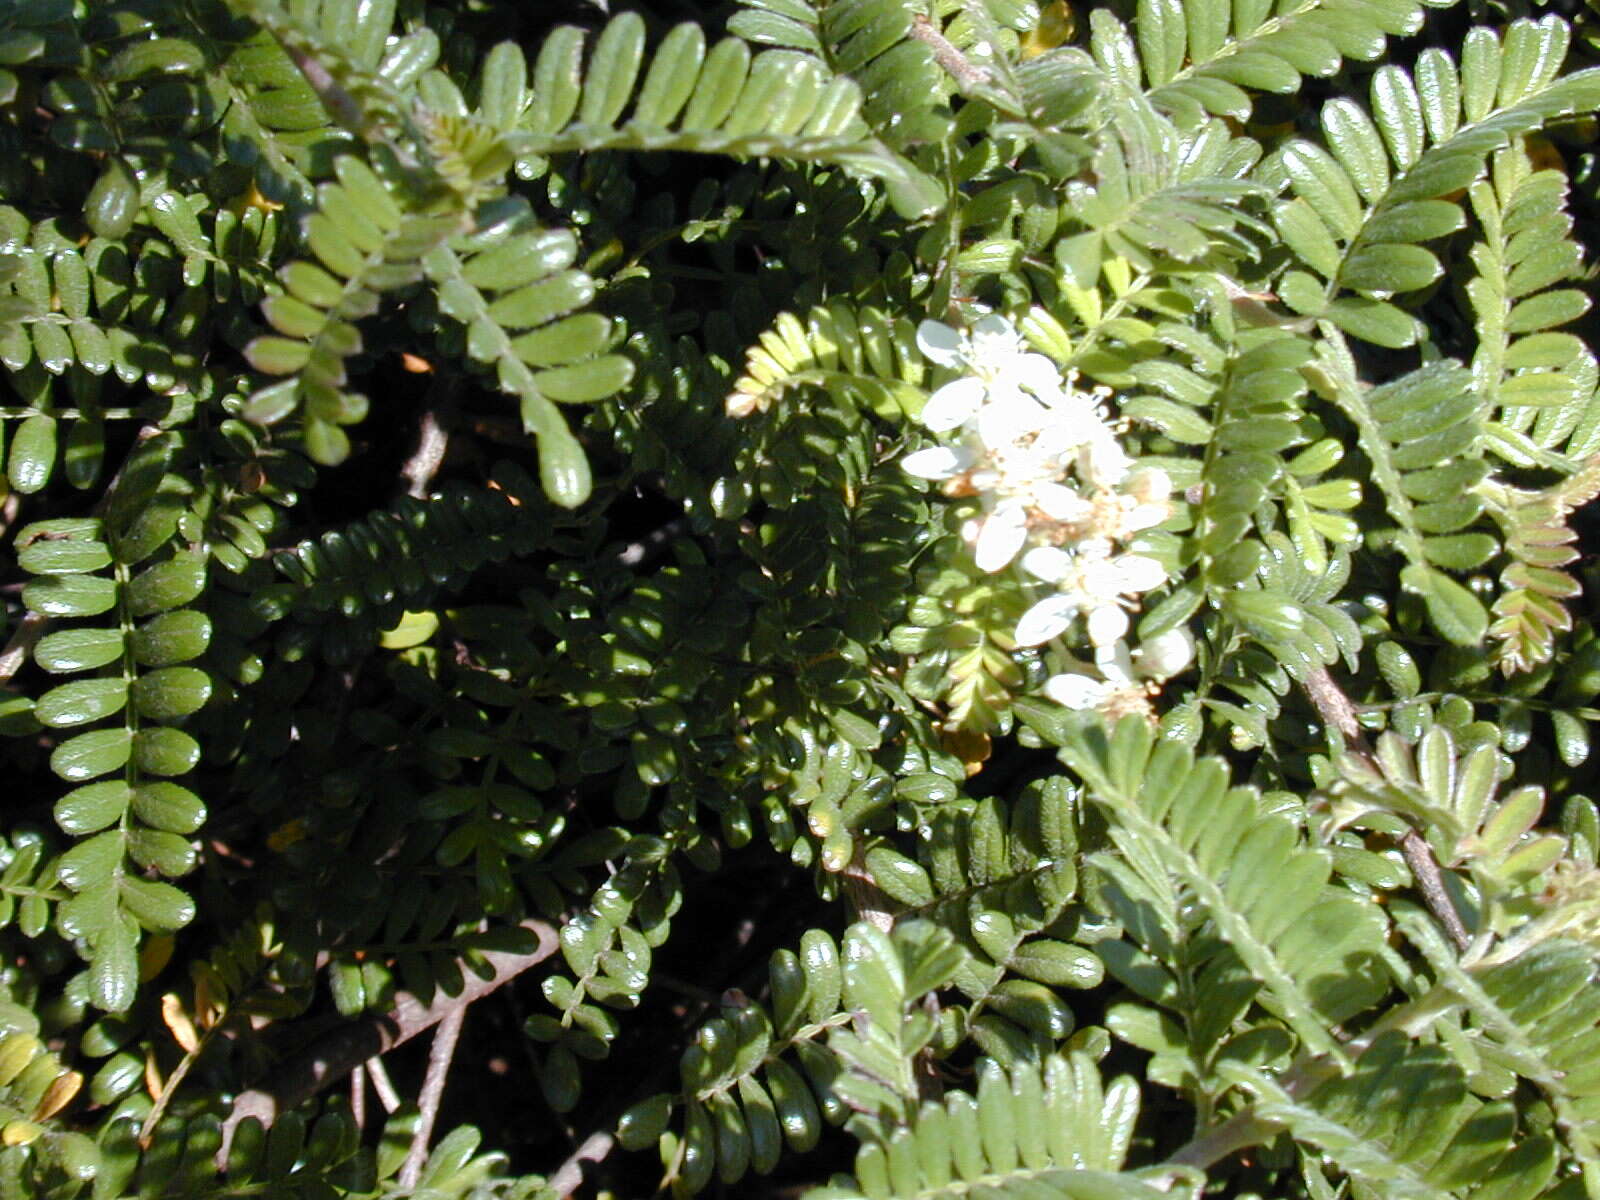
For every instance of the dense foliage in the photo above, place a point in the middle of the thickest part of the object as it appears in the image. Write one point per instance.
(926, 598)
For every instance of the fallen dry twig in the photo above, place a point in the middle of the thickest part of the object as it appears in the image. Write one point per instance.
(334, 1055)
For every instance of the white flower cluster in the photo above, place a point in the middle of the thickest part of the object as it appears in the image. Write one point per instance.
(1056, 487)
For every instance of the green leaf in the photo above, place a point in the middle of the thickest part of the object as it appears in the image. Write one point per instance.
(819, 959)
(538, 303)
(899, 876)
(70, 556)
(160, 751)
(93, 807)
(92, 863)
(858, 731)
(1459, 551)
(157, 850)
(171, 692)
(1390, 269)
(1059, 963)
(114, 967)
(70, 595)
(158, 907)
(166, 585)
(82, 701)
(1454, 610)
(91, 754)
(312, 284)
(644, 1122)
(171, 637)
(169, 807)
(33, 454)
(294, 318)
(78, 649)
(413, 629)
(1375, 321)
(563, 466)
(176, 219)
(557, 78)
(612, 70)
(157, 56)
(278, 355)
(583, 383)
(565, 341)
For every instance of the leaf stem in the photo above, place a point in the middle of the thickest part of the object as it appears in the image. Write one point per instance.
(1215, 1144)
(956, 64)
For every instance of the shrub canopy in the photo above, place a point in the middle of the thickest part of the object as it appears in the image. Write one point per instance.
(927, 598)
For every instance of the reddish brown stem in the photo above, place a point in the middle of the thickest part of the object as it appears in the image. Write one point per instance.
(1336, 711)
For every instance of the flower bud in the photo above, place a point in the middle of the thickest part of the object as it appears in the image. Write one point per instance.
(1164, 655)
(1149, 485)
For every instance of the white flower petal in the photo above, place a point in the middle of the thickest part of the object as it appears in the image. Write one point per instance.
(941, 344)
(1036, 373)
(1056, 441)
(1002, 537)
(1102, 461)
(1107, 624)
(954, 404)
(1138, 573)
(1100, 578)
(1145, 516)
(1075, 691)
(1077, 410)
(1049, 618)
(936, 462)
(1002, 423)
(1115, 663)
(1164, 655)
(1060, 502)
(992, 328)
(1049, 563)
(1094, 549)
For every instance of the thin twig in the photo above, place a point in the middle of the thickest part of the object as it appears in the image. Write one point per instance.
(379, 1074)
(870, 902)
(358, 1097)
(433, 439)
(22, 642)
(170, 1089)
(440, 1055)
(332, 1057)
(1337, 711)
(1430, 882)
(9, 509)
(956, 64)
(569, 1176)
